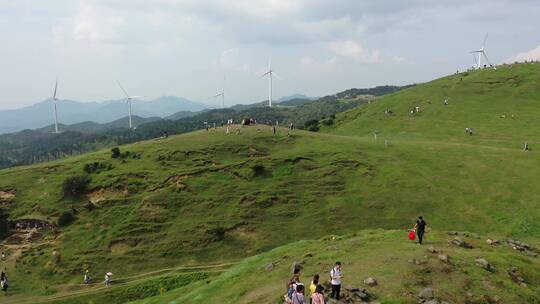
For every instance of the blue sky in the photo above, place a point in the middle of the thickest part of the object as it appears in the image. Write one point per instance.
(186, 47)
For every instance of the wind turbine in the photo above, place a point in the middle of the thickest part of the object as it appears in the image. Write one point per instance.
(222, 94)
(128, 101)
(55, 108)
(481, 53)
(270, 73)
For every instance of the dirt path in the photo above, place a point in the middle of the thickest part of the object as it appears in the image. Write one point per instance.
(94, 288)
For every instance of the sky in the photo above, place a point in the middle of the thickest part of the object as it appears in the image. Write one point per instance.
(192, 48)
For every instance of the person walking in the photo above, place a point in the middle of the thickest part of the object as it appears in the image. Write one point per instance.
(318, 296)
(298, 297)
(420, 228)
(335, 276)
(274, 130)
(108, 276)
(87, 277)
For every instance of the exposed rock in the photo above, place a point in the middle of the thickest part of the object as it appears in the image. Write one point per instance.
(493, 242)
(308, 255)
(515, 275)
(370, 282)
(351, 288)
(443, 258)
(523, 247)
(432, 249)
(426, 294)
(433, 301)
(269, 266)
(484, 264)
(461, 243)
(452, 233)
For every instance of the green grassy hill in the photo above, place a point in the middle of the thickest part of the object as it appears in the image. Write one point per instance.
(213, 198)
(502, 106)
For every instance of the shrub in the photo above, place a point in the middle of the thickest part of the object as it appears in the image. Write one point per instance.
(75, 186)
(115, 152)
(312, 125)
(313, 128)
(258, 170)
(3, 224)
(96, 167)
(66, 218)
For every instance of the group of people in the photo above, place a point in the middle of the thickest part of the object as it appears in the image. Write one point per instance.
(297, 294)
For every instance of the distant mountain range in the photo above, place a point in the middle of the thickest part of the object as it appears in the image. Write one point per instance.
(99, 116)
(73, 112)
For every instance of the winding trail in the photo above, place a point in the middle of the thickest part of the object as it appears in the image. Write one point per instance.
(95, 288)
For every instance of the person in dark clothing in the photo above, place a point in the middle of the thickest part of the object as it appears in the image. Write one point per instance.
(420, 228)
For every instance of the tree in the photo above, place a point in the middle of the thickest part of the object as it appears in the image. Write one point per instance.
(75, 186)
(115, 152)
(66, 218)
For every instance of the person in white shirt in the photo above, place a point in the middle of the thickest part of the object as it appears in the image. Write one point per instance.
(335, 275)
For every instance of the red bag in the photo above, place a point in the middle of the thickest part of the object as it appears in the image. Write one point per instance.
(412, 235)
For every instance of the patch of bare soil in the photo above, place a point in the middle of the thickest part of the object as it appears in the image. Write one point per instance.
(102, 194)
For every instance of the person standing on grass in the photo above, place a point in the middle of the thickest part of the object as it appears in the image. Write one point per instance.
(318, 296)
(335, 276)
(298, 297)
(420, 228)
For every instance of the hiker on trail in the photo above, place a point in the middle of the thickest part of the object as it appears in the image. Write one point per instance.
(446, 102)
(318, 296)
(227, 130)
(108, 276)
(420, 228)
(4, 281)
(3, 255)
(291, 126)
(335, 276)
(274, 130)
(299, 297)
(87, 277)
(314, 284)
(526, 147)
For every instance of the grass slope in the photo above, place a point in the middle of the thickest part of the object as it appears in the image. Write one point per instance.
(477, 100)
(201, 197)
(383, 255)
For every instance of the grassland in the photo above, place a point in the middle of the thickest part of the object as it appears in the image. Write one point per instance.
(212, 198)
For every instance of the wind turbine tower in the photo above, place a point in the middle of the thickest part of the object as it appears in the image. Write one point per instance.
(129, 99)
(55, 107)
(222, 94)
(478, 54)
(270, 73)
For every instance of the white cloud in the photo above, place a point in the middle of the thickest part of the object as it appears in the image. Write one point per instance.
(533, 54)
(353, 50)
(229, 60)
(309, 63)
(91, 24)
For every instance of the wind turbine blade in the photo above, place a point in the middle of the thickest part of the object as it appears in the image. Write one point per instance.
(55, 89)
(475, 60)
(485, 56)
(265, 74)
(485, 39)
(277, 76)
(121, 87)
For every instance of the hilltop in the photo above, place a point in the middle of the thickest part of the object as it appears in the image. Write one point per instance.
(207, 198)
(501, 105)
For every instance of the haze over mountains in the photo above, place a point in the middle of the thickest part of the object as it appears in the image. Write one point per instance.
(71, 112)
(90, 116)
